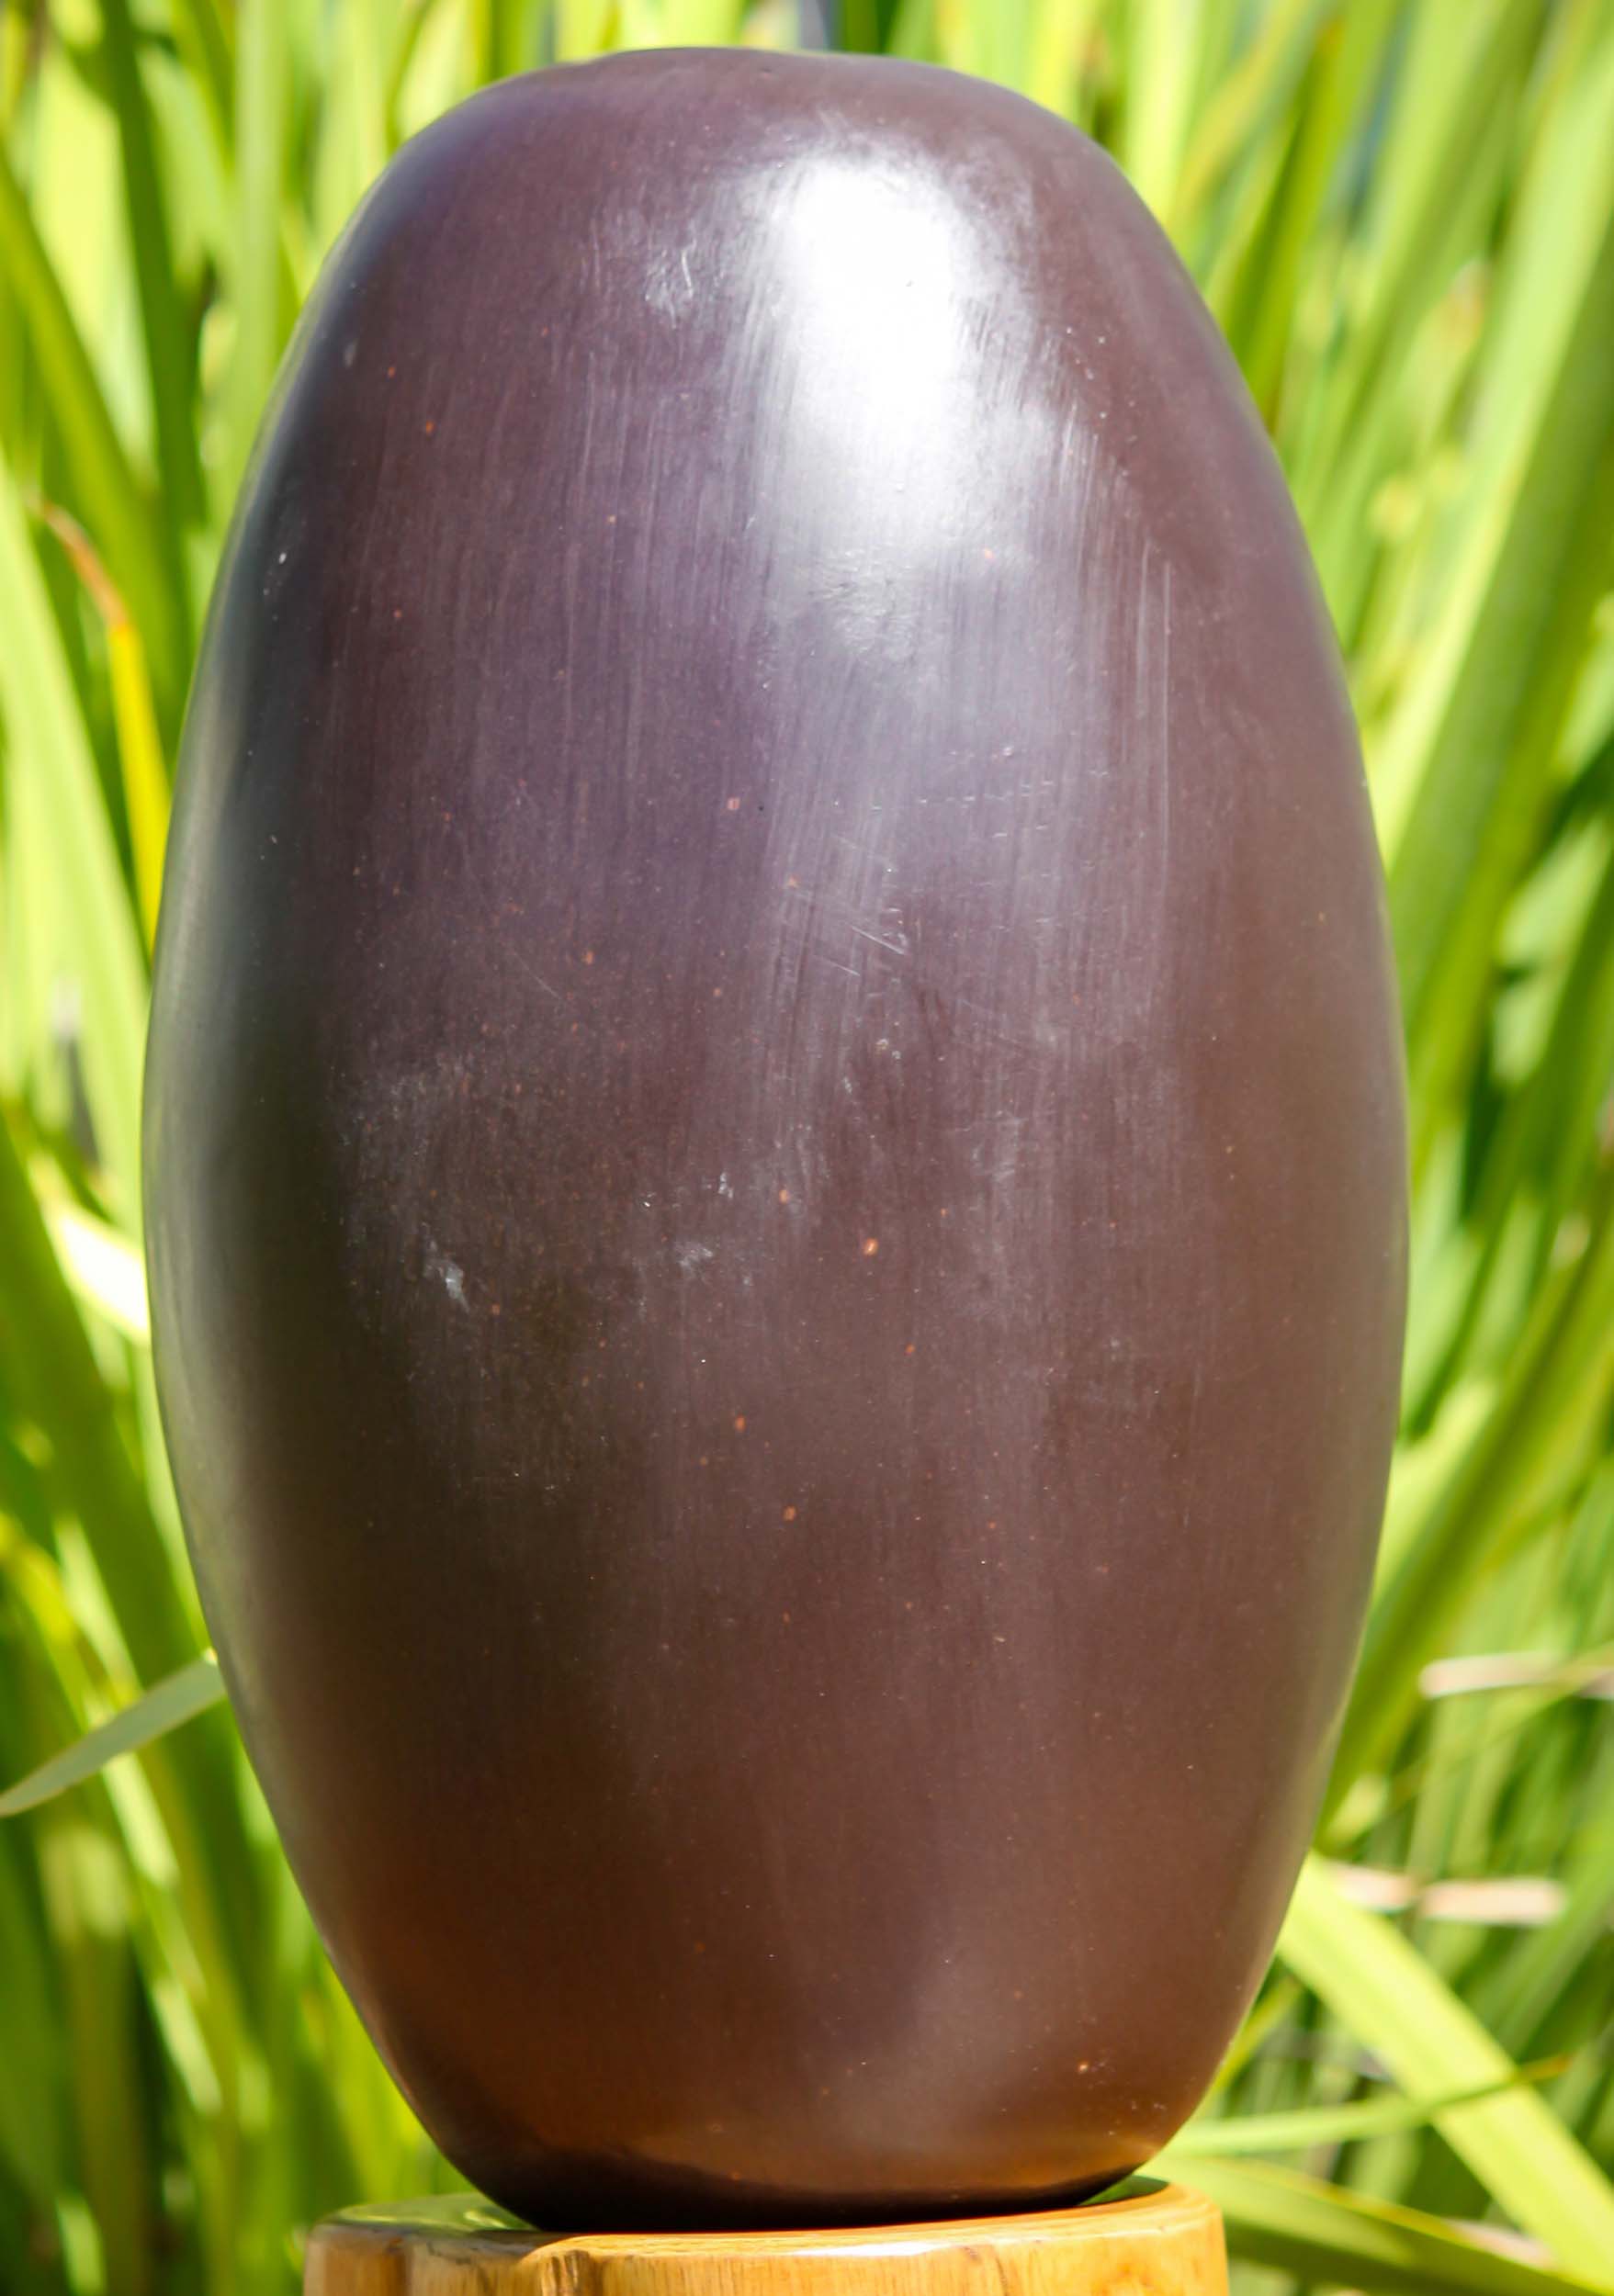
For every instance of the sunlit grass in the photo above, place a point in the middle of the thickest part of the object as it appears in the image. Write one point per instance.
(1403, 214)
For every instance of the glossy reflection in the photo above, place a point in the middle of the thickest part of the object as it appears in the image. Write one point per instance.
(776, 1148)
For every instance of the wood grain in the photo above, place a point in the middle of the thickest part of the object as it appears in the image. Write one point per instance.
(1160, 2240)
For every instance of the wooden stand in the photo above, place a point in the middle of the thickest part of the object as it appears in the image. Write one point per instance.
(1156, 2240)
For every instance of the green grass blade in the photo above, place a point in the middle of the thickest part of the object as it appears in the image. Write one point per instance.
(203, 31)
(87, 1907)
(1259, 313)
(1329, 2237)
(1549, 1963)
(32, 2130)
(59, 1382)
(1483, 787)
(1062, 34)
(1448, 147)
(165, 323)
(1547, 1416)
(263, 90)
(107, 499)
(1386, 1993)
(1231, 2135)
(1249, 102)
(58, 839)
(1165, 61)
(134, 718)
(104, 1270)
(162, 1708)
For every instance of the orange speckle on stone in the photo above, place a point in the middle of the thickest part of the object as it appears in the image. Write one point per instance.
(784, 1196)
(871, 1246)
(909, 1350)
(430, 427)
(739, 1423)
(391, 372)
(789, 1517)
(494, 1309)
(588, 956)
(733, 805)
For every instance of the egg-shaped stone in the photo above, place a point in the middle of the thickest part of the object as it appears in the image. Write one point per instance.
(776, 1166)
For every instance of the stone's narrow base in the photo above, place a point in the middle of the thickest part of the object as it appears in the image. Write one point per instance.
(1153, 2240)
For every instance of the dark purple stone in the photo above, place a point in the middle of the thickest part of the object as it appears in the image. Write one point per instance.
(776, 1148)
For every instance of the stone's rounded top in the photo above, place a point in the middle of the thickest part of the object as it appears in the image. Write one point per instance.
(1151, 2239)
(916, 266)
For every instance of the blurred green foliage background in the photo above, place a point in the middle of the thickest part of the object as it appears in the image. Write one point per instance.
(1401, 212)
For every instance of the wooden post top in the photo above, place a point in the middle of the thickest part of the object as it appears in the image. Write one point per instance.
(1153, 2240)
